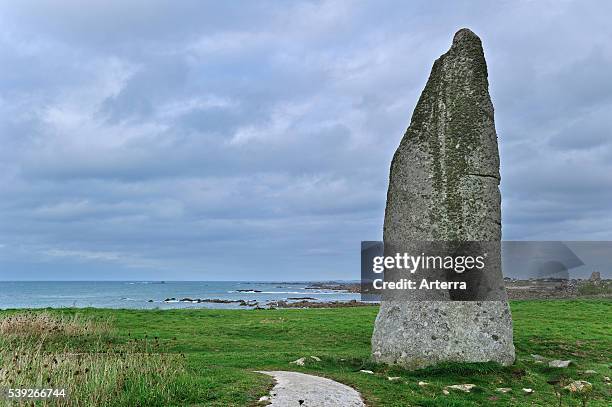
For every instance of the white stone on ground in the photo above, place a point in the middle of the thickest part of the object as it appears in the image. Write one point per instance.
(312, 391)
(299, 362)
(462, 387)
(559, 363)
(579, 386)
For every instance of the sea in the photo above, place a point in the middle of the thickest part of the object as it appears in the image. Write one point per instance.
(157, 294)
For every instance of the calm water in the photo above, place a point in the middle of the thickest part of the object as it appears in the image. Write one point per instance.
(131, 294)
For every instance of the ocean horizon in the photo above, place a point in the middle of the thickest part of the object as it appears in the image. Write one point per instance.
(167, 294)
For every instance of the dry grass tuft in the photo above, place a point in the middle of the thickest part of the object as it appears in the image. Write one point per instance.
(41, 324)
(95, 379)
(43, 350)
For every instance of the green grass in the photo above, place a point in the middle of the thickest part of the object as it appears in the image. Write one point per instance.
(222, 349)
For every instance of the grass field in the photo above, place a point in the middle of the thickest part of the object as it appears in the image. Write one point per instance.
(207, 357)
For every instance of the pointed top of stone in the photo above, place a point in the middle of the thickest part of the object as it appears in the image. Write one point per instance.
(466, 53)
(465, 35)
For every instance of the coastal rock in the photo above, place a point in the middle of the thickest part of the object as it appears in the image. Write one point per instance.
(444, 186)
(317, 304)
(335, 286)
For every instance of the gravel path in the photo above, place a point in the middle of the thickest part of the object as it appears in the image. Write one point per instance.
(299, 389)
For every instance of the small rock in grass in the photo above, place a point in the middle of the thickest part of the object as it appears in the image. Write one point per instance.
(299, 362)
(606, 379)
(559, 363)
(579, 386)
(503, 389)
(367, 371)
(264, 398)
(590, 372)
(446, 392)
(462, 387)
(527, 391)
(316, 358)
(422, 384)
(393, 378)
(538, 358)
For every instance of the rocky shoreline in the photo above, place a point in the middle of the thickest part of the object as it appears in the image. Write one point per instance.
(336, 286)
(317, 304)
(290, 302)
(558, 289)
(516, 289)
(242, 303)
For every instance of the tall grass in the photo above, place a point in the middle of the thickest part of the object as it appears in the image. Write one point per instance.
(43, 324)
(114, 374)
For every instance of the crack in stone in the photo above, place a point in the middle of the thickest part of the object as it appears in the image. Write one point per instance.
(484, 175)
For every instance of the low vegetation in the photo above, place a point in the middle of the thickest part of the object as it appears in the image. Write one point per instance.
(40, 325)
(82, 355)
(135, 358)
(596, 288)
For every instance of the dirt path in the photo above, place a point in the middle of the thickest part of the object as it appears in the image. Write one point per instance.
(299, 389)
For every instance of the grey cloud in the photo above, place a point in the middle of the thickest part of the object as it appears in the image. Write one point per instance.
(174, 139)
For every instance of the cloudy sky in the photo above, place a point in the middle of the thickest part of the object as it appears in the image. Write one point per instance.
(252, 140)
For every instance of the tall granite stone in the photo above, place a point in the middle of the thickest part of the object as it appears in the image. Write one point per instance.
(444, 186)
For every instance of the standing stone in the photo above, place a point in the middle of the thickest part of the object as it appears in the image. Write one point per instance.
(444, 186)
